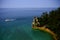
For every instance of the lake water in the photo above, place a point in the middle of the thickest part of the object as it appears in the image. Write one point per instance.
(20, 29)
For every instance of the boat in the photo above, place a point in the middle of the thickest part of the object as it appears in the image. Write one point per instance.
(7, 20)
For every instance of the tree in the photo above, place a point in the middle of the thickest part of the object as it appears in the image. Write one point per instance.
(51, 20)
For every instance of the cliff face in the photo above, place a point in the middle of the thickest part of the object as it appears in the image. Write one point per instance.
(35, 22)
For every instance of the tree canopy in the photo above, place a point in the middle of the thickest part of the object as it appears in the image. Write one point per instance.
(51, 20)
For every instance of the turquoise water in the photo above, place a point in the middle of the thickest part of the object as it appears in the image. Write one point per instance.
(21, 30)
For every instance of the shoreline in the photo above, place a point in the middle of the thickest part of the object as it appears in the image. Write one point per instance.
(47, 30)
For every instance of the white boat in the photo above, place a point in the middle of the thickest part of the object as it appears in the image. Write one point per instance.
(7, 20)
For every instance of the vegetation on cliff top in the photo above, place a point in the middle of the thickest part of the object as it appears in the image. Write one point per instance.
(51, 20)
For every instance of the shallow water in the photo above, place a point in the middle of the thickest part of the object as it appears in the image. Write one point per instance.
(21, 30)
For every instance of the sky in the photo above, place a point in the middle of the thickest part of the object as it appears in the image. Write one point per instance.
(29, 3)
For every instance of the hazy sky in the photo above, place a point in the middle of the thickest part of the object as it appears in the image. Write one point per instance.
(29, 3)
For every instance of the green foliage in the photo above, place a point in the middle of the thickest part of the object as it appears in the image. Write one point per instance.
(51, 20)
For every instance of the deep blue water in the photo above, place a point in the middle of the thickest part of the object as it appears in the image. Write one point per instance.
(22, 12)
(21, 28)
